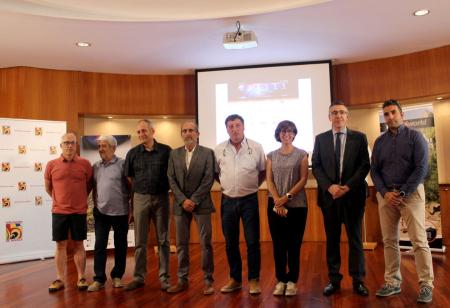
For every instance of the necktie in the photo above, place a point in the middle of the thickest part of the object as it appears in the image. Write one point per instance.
(337, 156)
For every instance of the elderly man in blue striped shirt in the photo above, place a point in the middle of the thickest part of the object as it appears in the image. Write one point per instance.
(111, 203)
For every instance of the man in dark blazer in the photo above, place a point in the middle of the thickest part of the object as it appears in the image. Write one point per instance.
(340, 163)
(191, 176)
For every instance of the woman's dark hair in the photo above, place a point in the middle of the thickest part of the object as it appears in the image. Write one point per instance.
(285, 125)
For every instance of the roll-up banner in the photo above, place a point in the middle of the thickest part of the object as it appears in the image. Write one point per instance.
(25, 214)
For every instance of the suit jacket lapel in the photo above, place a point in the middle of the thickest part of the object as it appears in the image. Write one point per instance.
(348, 147)
(330, 149)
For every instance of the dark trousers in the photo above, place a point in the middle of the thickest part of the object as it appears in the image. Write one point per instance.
(351, 216)
(287, 235)
(103, 224)
(232, 210)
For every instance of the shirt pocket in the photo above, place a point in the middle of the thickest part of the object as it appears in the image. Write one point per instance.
(248, 163)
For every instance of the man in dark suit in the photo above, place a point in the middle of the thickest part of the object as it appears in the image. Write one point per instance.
(191, 176)
(340, 163)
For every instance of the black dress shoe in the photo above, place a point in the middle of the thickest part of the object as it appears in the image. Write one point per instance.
(330, 288)
(360, 289)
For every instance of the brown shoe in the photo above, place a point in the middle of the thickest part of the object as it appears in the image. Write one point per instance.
(56, 286)
(96, 286)
(180, 286)
(231, 286)
(134, 284)
(117, 283)
(209, 289)
(82, 284)
(254, 287)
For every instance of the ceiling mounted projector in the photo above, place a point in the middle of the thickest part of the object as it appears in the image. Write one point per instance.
(239, 39)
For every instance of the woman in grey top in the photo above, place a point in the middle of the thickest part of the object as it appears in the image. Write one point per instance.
(286, 175)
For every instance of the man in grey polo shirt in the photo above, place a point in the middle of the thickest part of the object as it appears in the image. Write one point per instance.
(111, 195)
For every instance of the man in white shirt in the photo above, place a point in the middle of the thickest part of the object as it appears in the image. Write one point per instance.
(240, 170)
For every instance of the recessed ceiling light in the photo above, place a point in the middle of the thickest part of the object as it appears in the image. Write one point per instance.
(83, 44)
(421, 12)
(165, 117)
(110, 117)
(439, 98)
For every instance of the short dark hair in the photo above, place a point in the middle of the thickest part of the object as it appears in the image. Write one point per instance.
(284, 125)
(392, 102)
(337, 102)
(233, 117)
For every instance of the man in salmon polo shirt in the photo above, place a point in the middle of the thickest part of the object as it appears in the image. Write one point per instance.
(68, 181)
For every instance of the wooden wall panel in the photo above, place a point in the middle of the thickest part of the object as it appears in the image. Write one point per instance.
(52, 94)
(372, 219)
(12, 82)
(31, 93)
(410, 76)
(137, 94)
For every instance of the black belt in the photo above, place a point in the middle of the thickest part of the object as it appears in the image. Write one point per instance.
(252, 195)
(394, 188)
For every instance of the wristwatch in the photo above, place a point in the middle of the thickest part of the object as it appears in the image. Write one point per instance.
(289, 196)
(402, 193)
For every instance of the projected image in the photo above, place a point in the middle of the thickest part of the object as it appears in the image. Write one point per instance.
(269, 105)
(264, 96)
(261, 90)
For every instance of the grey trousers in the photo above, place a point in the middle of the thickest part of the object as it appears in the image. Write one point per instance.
(156, 208)
(183, 224)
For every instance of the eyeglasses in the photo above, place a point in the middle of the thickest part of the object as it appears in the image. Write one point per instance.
(338, 112)
(287, 131)
(67, 143)
(188, 130)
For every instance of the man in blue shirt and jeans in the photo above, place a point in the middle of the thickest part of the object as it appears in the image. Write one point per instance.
(111, 200)
(399, 167)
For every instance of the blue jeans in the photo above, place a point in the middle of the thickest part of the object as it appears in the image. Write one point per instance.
(232, 210)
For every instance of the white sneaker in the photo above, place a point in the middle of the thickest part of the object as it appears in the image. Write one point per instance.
(279, 289)
(291, 289)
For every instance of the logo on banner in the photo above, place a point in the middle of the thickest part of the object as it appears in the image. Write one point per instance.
(6, 130)
(6, 167)
(38, 167)
(52, 150)
(38, 131)
(22, 186)
(22, 149)
(6, 202)
(14, 231)
(38, 200)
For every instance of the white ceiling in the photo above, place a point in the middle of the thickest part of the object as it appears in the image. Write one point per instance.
(170, 37)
